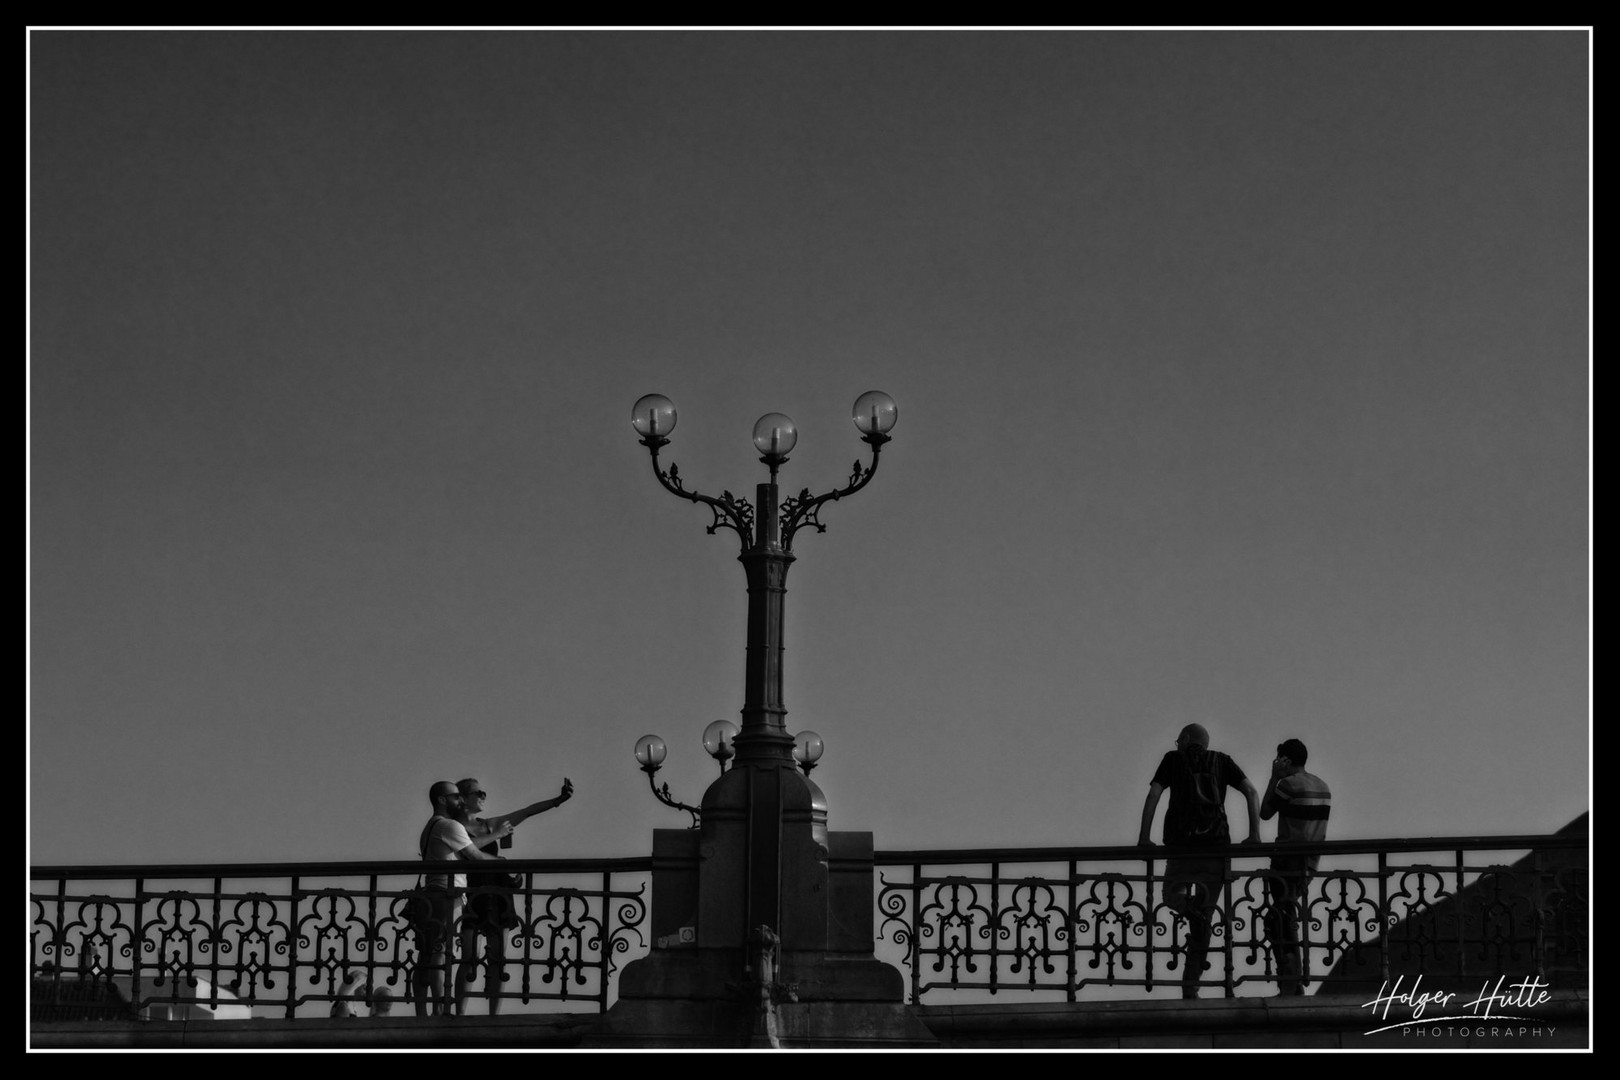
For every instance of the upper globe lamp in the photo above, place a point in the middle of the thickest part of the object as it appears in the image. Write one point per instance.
(807, 749)
(650, 753)
(774, 437)
(653, 417)
(874, 415)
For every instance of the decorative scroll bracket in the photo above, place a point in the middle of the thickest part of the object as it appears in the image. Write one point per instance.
(805, 509)
(730, 511)
(662, 795)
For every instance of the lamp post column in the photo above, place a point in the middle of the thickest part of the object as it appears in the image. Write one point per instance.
(764, 736)
(764, 768)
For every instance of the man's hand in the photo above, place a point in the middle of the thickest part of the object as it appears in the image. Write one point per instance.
(567, 790)
(1280, 768)
(504, 828)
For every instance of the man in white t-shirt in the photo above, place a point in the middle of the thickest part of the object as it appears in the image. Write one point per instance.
(443, 839)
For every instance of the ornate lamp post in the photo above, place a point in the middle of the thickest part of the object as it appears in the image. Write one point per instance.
(757, 796)
(759, 907)
(767, 547)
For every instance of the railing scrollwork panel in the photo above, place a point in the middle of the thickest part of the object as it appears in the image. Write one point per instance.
(290, 941)
(1076, 923)
(1082, 921)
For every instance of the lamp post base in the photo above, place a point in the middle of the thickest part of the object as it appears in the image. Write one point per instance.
(721, 975)
(820, 985)
(685, 996)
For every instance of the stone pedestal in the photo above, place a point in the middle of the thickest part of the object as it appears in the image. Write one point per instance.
(703, 985)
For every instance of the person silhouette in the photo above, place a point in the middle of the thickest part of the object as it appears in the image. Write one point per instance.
(1197, 779)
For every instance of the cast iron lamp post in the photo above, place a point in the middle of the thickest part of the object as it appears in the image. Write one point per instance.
(767, 547)
(763, 747)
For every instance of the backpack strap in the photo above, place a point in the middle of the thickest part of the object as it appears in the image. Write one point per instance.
(421, 843)
(427, 830)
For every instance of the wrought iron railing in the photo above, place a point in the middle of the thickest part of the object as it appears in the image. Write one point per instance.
(1075, 923)
(289, 940)
(1063, 923)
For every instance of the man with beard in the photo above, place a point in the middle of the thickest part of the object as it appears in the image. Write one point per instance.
(1197, 778)
(493, 913)
(443, 838)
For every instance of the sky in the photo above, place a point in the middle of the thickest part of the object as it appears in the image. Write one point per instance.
(1243, 378)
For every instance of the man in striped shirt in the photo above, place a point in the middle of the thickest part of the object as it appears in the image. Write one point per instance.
(1301, 802)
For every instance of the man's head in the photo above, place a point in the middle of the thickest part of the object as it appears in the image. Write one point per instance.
(445, 797)
(1193, 737)
(1294, 751)
(472, 795)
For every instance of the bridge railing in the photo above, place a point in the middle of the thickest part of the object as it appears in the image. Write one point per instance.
(1060, 924)
(1071, 924)
(290, 940)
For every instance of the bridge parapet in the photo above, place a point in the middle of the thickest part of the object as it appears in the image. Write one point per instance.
(1071, 924)
(1046, 924)
(304, 940)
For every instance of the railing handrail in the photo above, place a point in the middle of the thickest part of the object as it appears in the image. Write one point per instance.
(630, 864)
(339, 869)
(1134, 852)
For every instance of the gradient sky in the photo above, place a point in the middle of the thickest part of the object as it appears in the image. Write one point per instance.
(1244, 377)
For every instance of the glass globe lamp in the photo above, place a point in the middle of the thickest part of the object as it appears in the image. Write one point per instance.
(653, 416)
(718, 740)
(650, 753)
(774, 436)
(874, 413)
(807, 749)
